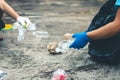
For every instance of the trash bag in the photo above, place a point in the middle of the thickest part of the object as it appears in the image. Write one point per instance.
(107, 48)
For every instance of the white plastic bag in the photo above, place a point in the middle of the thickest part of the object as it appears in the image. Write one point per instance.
(22, 30)
(21, 34)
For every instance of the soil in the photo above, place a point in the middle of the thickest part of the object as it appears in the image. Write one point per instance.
(31, 60)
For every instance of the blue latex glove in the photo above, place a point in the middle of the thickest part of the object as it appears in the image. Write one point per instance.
(81, 39)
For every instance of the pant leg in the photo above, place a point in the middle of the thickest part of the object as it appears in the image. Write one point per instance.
(2, 24)
(106, 60)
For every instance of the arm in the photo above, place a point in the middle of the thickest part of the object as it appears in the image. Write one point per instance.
(8, 9)
(108, 30)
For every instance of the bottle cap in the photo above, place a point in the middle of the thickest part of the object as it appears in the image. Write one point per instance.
(67, 36)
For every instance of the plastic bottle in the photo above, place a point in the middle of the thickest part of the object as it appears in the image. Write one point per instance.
(41, 34)
(59, 74)
(63, 46)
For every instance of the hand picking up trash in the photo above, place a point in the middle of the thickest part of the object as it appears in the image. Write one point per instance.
(23, 28)
(62, 46)
(21, 24)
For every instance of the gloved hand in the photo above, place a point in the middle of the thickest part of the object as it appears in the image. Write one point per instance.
(81, 39)
(24, 21)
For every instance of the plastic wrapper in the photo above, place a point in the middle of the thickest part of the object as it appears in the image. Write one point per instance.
(59, 74)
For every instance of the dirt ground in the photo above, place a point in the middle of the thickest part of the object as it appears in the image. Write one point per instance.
(31, 60)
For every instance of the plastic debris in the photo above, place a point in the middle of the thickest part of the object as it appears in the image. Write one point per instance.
(59, 74)
(62, 46)
(41, 34)
(2, 75)
(23, 29)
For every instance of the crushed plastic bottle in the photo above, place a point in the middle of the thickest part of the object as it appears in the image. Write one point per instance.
(59, 74)
(2, 75)
(41, 34)
(63, 46)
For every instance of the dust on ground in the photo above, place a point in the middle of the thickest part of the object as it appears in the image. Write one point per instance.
(31, 60)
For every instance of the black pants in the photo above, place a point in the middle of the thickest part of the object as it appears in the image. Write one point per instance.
(2, 24)
(106, 60)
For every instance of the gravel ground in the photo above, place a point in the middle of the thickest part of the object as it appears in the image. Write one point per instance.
(31, 60)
